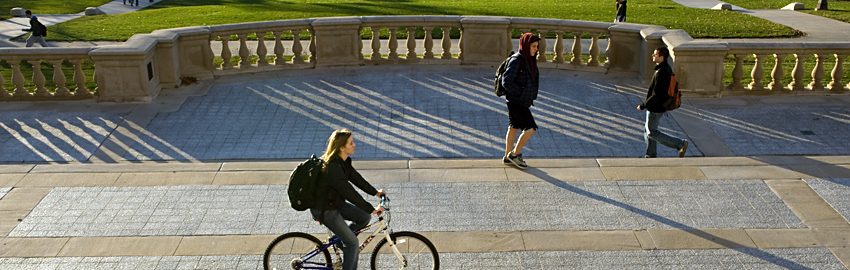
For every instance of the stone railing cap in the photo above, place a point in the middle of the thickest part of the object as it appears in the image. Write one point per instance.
(392, 19)
(654, 32)
(45, 53)
(486, 20)
(260, 26)
(332, 21)
(139, 44)
(674, 38)
(700, 45)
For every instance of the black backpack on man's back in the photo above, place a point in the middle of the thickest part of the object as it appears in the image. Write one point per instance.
(303, 182)
(499, 88)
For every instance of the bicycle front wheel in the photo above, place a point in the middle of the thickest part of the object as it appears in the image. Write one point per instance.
(417, 252)
(296, 250)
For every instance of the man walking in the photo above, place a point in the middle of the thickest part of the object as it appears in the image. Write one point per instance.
(621, 11)
(38, 31)
(655, 98)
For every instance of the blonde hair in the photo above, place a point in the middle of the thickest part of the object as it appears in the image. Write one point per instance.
(337, 140)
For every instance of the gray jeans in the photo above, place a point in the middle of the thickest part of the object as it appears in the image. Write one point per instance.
(651, 135)
(33, 38)
(335, 221)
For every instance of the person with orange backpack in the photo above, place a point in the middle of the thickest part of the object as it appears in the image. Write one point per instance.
(657, 102)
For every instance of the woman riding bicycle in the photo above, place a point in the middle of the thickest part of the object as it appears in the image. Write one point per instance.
(339, 201)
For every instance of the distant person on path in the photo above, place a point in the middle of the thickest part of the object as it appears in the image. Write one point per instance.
(621, 11)
(655, 98)
(338, 201)
(38, 31)
(521, 79)
(131, 2)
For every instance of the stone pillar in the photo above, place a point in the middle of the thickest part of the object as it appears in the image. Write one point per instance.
(59, 79)
(817, 73)
(738, 73)
(429, 43)
(376, 43)
(80, 80)
(261, 50)
(776, 75)
(337, 42)
(797, 74)
(18, 79)
(559, 47)
(278, 49)
(837, 74)
(126, 73)
(624, 52)
(38, 79)
(244, 54)
(196, 56)
(296, 47)
(446, 43)
(484, 40)
(758, 73)
(411, 44)
(594, 50)
(226, 55)
(393, 44)
(576, 60)
(541, 46)
(699, 67)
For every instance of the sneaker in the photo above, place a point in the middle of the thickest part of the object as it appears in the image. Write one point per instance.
(518, 162)
(506, 160)
(684, 148)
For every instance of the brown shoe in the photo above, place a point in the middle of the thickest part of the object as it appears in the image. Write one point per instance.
(684, 148)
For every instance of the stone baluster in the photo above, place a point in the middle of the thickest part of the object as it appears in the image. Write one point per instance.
(758, 74)
(80, 79)
(446, 42)
(312, 47)
(278, 49)
(376, 43)
(541, 46)
(576, 60)
(3, 91)
(38, 79)
(797, 73)
(225, 52)
(837, 74)
(594, 50)
(559, 47)
(460, 44)
(261, 50)
(510, 42)
(393, 43)
(738, 73)
(429, 42)
(776, 75)
(18, 80)
(296, 47)
(608, 51)
(244, 54)
(59, 79)
(817, 74)
(411, 43)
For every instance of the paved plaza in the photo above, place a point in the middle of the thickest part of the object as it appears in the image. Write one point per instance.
(197, 178)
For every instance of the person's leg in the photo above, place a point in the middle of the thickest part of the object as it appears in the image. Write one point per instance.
(650, 125)
(30, 40)
(523, 139)
(350, 245)
(41, 41)
(510, 138)
(653, 134)
(359, 218)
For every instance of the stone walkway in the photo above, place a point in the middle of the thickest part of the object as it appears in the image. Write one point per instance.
(196, 178)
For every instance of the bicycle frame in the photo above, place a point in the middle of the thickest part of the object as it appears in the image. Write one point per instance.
(380, 226)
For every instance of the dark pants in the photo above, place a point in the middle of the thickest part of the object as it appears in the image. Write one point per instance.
(335, 220)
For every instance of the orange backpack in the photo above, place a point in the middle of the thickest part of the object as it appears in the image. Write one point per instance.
(675, 99)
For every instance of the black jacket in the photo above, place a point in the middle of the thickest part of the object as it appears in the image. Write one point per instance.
(336, 189)
(657, 94)
(36, 27)
(520, 83)
(621, 9)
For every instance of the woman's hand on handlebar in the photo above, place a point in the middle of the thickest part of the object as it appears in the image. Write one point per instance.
(379, 210)
(380, 193)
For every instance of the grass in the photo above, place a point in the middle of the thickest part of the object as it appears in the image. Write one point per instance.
(47, 70)
(51, 6)
(699, 23)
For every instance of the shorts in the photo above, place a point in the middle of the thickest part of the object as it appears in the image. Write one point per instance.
(520, 117)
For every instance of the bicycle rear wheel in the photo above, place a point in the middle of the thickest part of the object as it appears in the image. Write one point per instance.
(296, 250)
(417, 251)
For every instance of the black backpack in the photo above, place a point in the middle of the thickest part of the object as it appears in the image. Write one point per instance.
(303, 182)
(499, 88)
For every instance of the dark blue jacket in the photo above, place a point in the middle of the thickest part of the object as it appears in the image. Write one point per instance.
(520, 83)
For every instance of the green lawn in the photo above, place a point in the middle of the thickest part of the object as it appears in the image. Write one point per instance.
(699, 23)
(51, 6)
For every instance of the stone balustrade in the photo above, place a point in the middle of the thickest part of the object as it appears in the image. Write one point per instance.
(139, 69)
(55, 58)
(779, 52)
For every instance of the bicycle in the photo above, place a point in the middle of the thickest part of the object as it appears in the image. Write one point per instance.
(396, 250)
